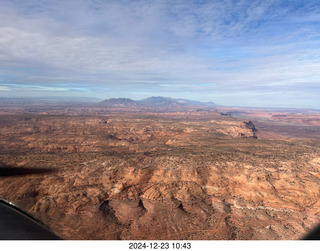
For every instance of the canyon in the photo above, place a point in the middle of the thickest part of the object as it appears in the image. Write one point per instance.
(124, 171)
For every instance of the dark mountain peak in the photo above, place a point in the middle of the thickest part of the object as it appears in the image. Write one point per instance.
(155, 102)
(119, 102)
(158, 100)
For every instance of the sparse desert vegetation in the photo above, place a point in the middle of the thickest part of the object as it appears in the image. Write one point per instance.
(189, 174)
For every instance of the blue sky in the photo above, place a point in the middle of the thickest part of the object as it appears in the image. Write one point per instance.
(244, 53)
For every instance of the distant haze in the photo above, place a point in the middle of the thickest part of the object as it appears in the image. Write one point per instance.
(231, 52)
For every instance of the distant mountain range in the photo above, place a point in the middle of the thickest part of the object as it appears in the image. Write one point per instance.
(155, 102)
(122, 102)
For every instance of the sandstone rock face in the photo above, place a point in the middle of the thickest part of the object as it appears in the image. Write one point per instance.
(161, 176)
(243, 129)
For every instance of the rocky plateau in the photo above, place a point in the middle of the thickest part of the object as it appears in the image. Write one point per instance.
(193, 174)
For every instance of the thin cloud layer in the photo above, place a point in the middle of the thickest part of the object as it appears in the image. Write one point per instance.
(229, 52)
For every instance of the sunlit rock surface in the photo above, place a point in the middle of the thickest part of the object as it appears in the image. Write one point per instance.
(183, 175)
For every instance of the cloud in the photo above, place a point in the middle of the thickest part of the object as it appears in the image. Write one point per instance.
(177, 46)
(4, 88)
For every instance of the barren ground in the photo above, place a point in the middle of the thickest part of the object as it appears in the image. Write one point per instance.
(183, 175)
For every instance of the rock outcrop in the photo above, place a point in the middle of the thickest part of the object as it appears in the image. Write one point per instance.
(244, 129)
(160, 176)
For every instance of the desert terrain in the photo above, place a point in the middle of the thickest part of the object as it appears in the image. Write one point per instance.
(123, 170)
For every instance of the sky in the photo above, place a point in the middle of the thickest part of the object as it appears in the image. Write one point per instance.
(236, 53)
